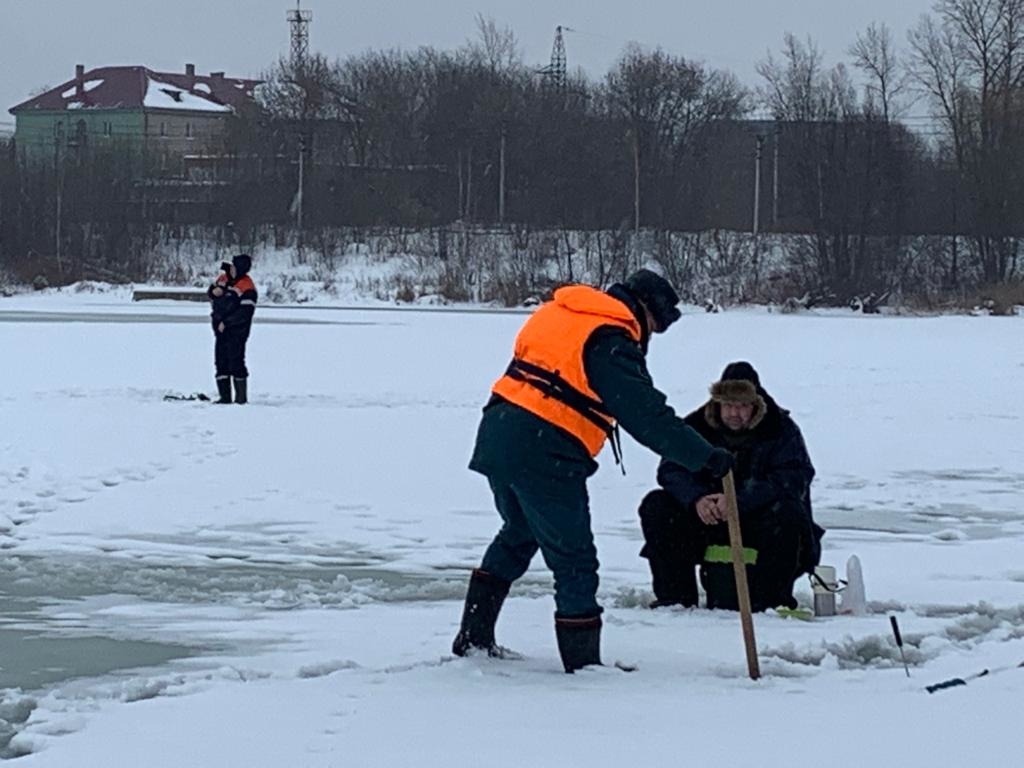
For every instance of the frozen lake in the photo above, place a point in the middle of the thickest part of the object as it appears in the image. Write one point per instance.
(301, 561)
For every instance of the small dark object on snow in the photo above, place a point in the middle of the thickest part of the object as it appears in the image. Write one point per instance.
(193, 396)
(955, 681)
(870, 304)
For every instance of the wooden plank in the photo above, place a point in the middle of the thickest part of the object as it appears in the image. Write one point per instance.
(740, 570)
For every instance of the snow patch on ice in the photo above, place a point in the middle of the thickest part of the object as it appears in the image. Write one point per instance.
(325, 668)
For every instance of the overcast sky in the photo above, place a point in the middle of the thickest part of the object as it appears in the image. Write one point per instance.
(42, 40)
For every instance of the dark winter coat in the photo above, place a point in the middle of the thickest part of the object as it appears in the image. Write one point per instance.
(513, 443)
(772, 465)
(236, 306)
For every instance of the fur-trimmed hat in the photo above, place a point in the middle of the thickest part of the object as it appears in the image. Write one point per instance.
(734, 391)
(739, 384)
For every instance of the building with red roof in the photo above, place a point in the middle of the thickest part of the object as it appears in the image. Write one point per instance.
(158, 117)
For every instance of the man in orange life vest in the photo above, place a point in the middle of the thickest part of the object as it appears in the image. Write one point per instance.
(232, 305)
(578, 372)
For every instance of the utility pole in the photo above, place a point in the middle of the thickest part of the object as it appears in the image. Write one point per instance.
(775, 179)
(298, 212)
(636, 198)
(469, 184)
(462, 192)
(757, 209)
(58, 175)
(501, 178)
(821, 195)
(757, 186)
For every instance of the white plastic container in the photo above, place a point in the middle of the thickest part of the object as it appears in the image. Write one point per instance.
(853, 599)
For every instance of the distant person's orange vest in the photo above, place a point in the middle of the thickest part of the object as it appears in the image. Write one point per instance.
(547, 377)
(243, 284)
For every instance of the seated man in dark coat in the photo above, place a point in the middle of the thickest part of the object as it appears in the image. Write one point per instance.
(684, 521)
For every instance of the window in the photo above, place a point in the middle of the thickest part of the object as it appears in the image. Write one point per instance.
(188, 130)
(81, 136)
(107, 129)
(163, 129)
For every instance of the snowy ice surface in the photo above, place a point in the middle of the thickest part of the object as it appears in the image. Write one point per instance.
(279, 584)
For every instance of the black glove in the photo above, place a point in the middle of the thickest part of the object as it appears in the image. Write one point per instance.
(720, 462)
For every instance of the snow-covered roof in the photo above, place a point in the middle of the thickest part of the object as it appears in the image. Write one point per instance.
(143, 88)
(164, 95)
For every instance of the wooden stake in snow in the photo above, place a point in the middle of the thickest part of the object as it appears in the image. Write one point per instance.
(739, 568)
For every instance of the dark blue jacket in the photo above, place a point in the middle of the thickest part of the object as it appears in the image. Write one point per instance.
(772, 466)
(236, 306)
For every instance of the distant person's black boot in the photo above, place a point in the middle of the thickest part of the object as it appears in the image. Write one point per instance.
(579, 641)
(224, 389)
(241, 390)
(484, 599)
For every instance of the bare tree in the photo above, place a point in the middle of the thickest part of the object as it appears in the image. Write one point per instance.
(387, 92)
(665, 102)
(844, 171)
(301, 93)
(875, 55)
(495, 46)
(969, 61)
(937, 68)
(794, 87)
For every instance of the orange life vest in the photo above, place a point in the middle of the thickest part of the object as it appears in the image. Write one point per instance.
(547, 377)
(243, 284)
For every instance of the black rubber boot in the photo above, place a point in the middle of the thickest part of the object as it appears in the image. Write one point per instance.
(579, 641)
(224, 389)
(673, 567)
(241, 390)
(674, 581)
(484, 599)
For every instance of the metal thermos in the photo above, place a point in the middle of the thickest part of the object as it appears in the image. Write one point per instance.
(825, 586)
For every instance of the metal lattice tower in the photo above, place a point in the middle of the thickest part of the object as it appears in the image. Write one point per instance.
(555, 73)
(299, 21)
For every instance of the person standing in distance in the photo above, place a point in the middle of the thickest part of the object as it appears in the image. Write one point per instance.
(232, 305)
(578, 372)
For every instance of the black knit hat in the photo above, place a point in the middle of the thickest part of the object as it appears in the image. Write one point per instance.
(741, 370)
(243, 263)
(658, 296)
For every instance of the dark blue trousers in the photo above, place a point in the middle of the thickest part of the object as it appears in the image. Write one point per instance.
(553, 516)
(229, 354)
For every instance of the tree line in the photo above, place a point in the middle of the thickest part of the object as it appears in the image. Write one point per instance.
(857, 160)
